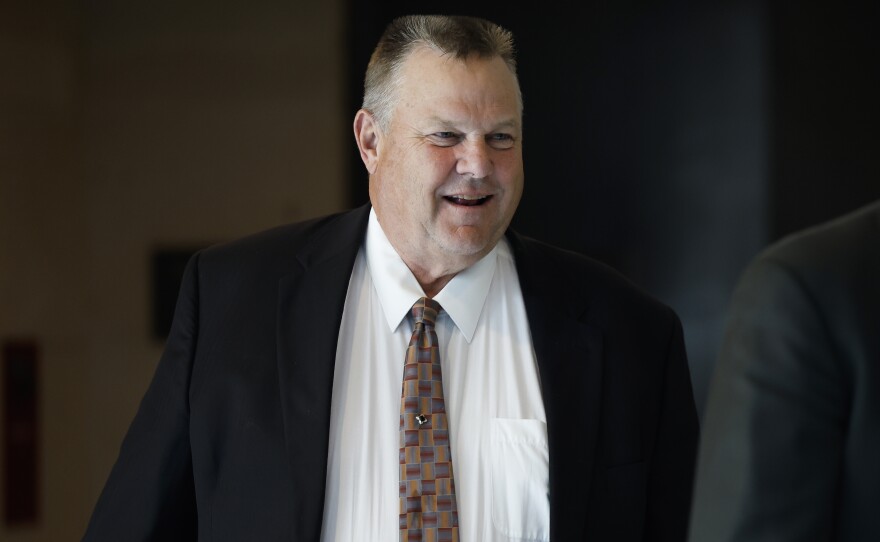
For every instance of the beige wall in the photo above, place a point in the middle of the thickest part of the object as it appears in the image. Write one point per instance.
(124, 128)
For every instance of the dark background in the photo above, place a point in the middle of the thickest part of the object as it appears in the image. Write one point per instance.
(674, 142)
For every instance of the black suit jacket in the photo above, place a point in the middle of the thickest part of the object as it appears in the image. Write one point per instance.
(230, 441)
(791, 449)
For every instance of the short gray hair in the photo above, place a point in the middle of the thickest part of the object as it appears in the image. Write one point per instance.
(457, 36)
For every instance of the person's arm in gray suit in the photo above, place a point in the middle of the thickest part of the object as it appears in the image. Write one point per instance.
(774, 428)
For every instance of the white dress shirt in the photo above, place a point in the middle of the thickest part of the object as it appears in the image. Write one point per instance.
(498, 434)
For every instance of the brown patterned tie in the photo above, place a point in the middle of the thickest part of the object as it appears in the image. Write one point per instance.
(428, 511)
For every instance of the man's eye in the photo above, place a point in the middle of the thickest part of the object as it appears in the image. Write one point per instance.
(500, 141)
(445, 139)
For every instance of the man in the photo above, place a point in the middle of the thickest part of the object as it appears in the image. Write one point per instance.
(791, 446)
(275, 413)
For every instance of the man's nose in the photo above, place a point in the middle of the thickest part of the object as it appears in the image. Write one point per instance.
(474, 159)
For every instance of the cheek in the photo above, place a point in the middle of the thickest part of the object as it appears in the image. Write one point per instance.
(436, 163)
(418, 175)
(509, 172)
(424, 181)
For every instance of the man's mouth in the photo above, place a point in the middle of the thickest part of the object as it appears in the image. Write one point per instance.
(467, 201)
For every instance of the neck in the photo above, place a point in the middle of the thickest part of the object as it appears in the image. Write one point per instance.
(433, 276)
(432, 287)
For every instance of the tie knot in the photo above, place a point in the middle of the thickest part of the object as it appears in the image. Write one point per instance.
(426, 310)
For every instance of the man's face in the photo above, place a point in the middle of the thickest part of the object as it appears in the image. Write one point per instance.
(447, 175)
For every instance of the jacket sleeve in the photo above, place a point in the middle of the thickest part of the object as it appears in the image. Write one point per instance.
(775, 420)
(671, 465)
(150, 492)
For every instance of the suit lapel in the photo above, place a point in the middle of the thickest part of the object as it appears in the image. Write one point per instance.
(310, 305)
(569, 356)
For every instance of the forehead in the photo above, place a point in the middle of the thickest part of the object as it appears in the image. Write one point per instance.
(440, 85)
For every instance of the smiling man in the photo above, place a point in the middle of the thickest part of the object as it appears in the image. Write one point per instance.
(446, 170)
(413, 369)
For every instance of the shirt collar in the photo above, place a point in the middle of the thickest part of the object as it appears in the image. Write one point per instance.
(462, 298)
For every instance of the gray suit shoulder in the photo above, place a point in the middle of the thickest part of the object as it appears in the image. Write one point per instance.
(848, 241)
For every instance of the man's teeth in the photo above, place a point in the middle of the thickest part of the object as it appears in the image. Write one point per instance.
(467, 199)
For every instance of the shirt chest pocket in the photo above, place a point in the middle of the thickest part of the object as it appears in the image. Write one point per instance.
(520, 478)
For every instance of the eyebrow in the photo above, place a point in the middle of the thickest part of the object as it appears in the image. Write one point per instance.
(508, 124)
(447, 124)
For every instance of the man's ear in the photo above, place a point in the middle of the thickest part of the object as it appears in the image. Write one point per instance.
(367, 135)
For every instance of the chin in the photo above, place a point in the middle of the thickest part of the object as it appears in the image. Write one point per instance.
(474, 245)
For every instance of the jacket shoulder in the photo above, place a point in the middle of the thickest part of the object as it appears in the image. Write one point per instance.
(842, 252)
(563, 272)
(847, 236)
(282, 248)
